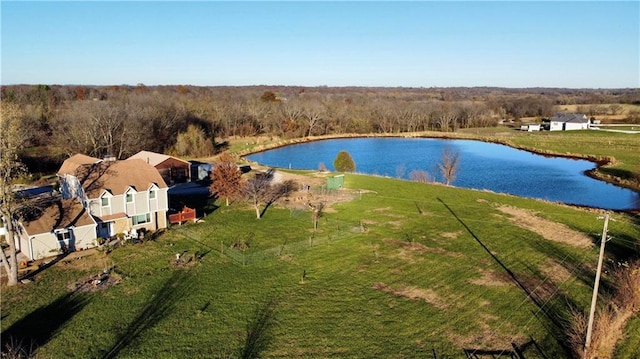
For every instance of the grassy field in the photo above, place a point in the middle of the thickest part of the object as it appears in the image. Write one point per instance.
(621, 148)
(400, 271)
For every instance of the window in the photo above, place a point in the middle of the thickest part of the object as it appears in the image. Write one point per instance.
(105, 201)
(152, 194)
(129, 197)
(63, 235)
(141, 219)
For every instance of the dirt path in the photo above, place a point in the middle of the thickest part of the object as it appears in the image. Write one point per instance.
(550, 230)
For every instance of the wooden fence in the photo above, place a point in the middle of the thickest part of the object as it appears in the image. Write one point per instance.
(187, 214)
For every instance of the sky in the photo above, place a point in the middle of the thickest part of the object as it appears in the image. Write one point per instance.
(571, 44)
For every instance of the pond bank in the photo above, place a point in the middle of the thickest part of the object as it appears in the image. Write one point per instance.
(600, 161)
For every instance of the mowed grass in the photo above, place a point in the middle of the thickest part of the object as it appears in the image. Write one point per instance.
(622, 148)
(401, 270)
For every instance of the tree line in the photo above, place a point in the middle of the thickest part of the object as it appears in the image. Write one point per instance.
(190, 120)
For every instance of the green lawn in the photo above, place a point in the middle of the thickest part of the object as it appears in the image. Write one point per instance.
(400, 271)
(623, 148)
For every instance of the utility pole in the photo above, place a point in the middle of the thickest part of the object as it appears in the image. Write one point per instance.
(603, 240)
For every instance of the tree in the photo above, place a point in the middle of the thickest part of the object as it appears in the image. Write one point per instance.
(259, 190)
(269, 96)
(11, 141)
(226, 178)
(449, 165)
(316, 213)
(421, 176)
(193, 142)
(344, 162)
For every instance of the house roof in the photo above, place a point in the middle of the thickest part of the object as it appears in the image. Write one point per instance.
(570, 117)
(114, 176)
(57, 215)
(154, 158)
(71, 164)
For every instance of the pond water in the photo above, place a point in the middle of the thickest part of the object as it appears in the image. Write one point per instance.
(482, 165)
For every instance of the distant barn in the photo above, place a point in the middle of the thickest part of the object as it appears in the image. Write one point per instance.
(568, 121)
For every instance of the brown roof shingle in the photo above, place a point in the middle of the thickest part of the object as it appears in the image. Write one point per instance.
(60, 214)
(114, 176)
(71, 164)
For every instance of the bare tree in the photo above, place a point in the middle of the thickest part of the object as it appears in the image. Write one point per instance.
(449, 165)
(260, 190)
(226, 178)
(11, 141)
(421, 176)
(316, 213)
(97, 128)
(313, 112)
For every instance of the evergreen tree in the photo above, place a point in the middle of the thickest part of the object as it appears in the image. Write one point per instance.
(344, 162)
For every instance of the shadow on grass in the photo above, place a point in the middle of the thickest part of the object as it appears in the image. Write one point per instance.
(159, 306)
(569, 260)
(44, 267)
(519, 351)
(38, 327)
(258, 335)
(540, 295)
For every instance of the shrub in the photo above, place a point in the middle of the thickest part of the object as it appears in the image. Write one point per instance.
(344, 162)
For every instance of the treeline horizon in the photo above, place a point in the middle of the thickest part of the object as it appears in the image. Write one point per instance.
(192, 121)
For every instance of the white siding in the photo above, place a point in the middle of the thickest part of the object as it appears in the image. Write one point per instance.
(576, 126)
(555, 126)
(163, 199)
(44, 245)
(84, 237)
(117, 204)
(141, 203)
(47, 245)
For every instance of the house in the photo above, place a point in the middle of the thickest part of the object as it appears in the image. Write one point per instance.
(172, 169)
(99, 198)
(121, 196)
(568, 121)
(61, 226)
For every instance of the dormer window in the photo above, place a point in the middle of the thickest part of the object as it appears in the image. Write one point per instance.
(152, 194)
(129, 197)
(104, 201)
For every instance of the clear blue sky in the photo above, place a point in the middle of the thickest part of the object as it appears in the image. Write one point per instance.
(418, 44)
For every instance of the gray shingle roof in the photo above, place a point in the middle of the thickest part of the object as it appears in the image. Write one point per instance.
(570, 117)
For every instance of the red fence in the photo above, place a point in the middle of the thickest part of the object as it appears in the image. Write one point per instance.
(187, 214)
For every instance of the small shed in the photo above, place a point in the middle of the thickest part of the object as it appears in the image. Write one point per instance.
(530, 127)
(335, 182)
(200, 170)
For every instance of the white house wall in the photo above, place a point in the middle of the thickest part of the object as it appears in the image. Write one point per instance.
(575, 126)
(140, 203)
(85, 236)
(42, 246)
(163, 199)
(47, 245)
(555, 126)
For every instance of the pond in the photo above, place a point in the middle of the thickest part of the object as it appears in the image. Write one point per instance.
(482, 165)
